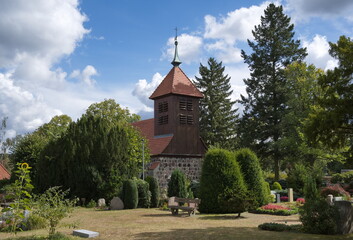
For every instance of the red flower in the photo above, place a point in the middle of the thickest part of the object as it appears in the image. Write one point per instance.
(274, 207)
(300, 200)
(284, 199)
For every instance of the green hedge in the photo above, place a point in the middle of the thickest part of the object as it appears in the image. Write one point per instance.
(130, 194)
(177, 185)
(253, 176)
(154, 188)
(275, 212)
(222, 188)
(279, 227)
(144, 194)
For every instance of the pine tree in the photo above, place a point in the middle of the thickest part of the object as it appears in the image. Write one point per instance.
(273, 49)
(218, 117)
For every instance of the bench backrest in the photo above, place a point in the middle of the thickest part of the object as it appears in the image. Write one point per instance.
(195, 201)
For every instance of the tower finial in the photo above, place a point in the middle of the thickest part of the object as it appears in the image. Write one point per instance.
(176, 61)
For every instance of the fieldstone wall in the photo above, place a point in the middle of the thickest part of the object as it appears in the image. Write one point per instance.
(188, 165)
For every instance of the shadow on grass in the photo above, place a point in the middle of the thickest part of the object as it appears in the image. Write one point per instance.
(225, 233)
(221, 217)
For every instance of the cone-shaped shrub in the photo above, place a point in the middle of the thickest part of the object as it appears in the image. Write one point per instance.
(130, 194)
(253, 177)
(144, 194)
(154, 188)
(177, 185)
(222, 188)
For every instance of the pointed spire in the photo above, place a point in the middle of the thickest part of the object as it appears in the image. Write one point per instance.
(176, 61)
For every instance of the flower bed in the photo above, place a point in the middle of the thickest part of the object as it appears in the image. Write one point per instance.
(275, 209)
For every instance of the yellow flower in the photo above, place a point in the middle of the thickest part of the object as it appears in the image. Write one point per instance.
(24, 166)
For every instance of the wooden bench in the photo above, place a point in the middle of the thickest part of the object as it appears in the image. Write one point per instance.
(192, 205)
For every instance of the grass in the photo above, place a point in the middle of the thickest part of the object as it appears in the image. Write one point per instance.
(156, 224)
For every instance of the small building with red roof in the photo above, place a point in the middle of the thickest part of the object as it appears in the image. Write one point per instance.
(173, 134)
(4, 173)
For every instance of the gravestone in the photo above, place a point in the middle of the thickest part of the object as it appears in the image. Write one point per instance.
(290, 194)
(278, 198)
(85, 233)
(345, 221)
(116, 204)
(329, 199)
(101, 202)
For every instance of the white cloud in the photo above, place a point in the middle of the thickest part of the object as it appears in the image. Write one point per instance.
(85, 77)
(143, 90)
(189, 48)
(35, 36)
(236, 26)
(318, 53)
(225, 52)
(303, 9)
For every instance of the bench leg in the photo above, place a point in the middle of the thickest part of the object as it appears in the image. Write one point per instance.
(175, 211)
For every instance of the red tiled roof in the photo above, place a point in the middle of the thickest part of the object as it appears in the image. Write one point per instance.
(4, 174)
(178, 83)
(156, 144)
(153, 165)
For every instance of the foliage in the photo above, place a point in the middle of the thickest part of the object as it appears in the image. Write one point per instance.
(317, 216)
(298, 175)
(346, 177)
(53, 206)
(91, 204)
(331, 119)
(130, 194)
(144, 194)
(29, 148)
(222, 187)
(20, 194)
(154, 188)
(279, 227)
(276, 186)
(177, 185)
(35, 222)
(265, 105)
(95, 155)
(218, 117)
(335, 190)
(253, 176)
(195, 188)
(275, 209)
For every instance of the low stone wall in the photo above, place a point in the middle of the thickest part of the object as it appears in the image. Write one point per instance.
(188, 165)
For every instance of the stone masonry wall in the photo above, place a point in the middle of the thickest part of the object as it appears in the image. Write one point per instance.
(190, 166)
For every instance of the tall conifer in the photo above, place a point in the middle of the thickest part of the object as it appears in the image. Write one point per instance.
(273, 49)
(218, 117)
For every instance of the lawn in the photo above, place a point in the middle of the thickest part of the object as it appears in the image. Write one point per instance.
(157, 224)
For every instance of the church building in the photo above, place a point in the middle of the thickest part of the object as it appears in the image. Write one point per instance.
(173, 134)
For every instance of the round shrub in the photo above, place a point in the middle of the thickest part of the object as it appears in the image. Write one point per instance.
(195, 188)
(154, 188)
(177, 185)
(144, 194)
(222, 188)
(276, 186)
(130, 194)
(253, 176)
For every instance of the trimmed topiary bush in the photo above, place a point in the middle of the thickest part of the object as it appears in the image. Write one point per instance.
(195, 188)
(144, 194)
(130, 194)
(253, 176)
(222, 188)
(154, 188)
(276, 186)
(177, 185)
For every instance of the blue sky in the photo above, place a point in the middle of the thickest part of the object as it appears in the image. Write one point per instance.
(58, 57)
